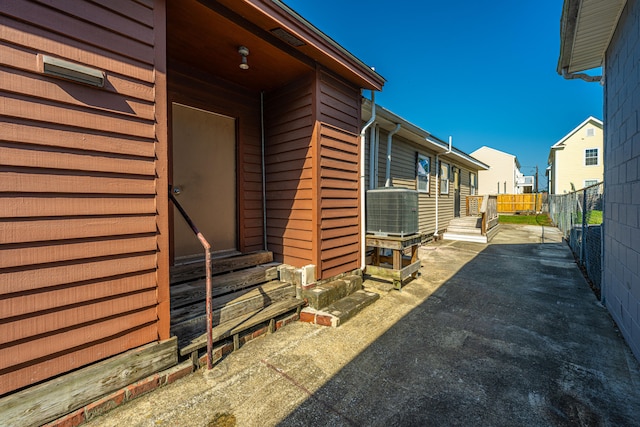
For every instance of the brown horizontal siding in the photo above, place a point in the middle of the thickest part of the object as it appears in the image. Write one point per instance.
(76, 294)
(289, 170)
(89, 352)
(338, 206)
(338, 176)
(16, 205)
(339, 103)
(39, 40)
(78, 211)
(28, 254)
(53, 135)
(115, 32)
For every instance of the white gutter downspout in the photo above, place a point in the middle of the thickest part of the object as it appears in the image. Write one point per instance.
(435, 234)
(587, 78)
(363, 247)
(387, 180)
(373, 156)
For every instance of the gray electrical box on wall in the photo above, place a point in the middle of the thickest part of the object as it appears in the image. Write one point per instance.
(392, 211)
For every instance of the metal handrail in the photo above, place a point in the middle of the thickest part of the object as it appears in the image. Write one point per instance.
(207, 257)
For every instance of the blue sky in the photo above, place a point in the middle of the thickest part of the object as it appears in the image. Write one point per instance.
(482, 72)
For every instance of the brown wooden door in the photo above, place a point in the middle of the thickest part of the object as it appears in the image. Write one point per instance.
(204, 180)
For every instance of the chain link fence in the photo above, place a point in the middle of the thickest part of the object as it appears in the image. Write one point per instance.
(579, 216)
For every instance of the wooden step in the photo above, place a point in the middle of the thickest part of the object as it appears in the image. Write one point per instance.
(242, 323)
(195, 268)
(191, 321)
(189, 293)
(458, 229)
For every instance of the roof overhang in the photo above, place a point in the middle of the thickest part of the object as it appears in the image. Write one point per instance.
(204, 38)
(586, 29)
(275, 17)
(387, 120)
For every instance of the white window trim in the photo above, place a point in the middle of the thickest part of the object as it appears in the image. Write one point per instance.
(473, 186)
(444, 182)
(428, 175)
(597, 156)
(585, 185)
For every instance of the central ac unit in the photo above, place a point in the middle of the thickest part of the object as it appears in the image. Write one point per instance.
(392, 211)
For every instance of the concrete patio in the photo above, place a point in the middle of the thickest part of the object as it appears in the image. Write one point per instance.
(505, 334)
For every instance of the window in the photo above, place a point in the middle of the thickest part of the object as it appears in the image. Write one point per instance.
(423, 168)
(473, 183)
(444, 178)
(591, 157)
(590, 182)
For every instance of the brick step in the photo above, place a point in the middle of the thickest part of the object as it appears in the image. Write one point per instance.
(340, 311)
(325, 294)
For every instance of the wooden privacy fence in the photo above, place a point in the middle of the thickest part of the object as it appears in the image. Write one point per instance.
(512, 203)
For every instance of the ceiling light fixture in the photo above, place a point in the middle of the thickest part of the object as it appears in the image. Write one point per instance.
(243, 51)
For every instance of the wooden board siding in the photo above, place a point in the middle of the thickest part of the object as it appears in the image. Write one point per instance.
(338, 211)
(337, 179)
(193, 88)
(289, 169)
(79, 217)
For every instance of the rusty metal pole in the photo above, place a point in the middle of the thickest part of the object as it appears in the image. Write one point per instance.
(207, 259)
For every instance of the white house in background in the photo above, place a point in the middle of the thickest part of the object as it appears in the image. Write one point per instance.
(503, 176)
(576, 160)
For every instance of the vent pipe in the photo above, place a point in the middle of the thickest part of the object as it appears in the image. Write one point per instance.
(438, 168)
(264, 174)
(387, 180)
(363, 247)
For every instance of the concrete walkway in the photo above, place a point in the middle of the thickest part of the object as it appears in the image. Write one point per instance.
(506, 334)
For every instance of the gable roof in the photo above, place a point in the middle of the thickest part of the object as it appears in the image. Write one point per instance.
(589, 119)
(560, 144)
(586, 28)
(485, 148)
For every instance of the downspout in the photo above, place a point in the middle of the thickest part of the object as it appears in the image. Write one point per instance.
(264, 183)
(435, 233)
(373, 156)
(387, 180)
(586, 77)
(363, 247)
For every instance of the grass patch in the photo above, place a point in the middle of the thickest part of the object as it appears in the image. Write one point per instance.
(540, 219)
(595, 217)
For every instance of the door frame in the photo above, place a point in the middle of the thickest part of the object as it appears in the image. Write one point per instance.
(188, 102)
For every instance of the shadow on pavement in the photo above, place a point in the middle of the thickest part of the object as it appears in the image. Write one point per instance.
(515, 337)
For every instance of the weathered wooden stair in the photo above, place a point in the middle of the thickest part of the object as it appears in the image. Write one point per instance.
(245, 295)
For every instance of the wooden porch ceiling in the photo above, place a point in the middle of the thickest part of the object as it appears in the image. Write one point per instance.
(205, 35)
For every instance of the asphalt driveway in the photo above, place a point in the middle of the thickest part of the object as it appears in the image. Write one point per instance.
(505, 334)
